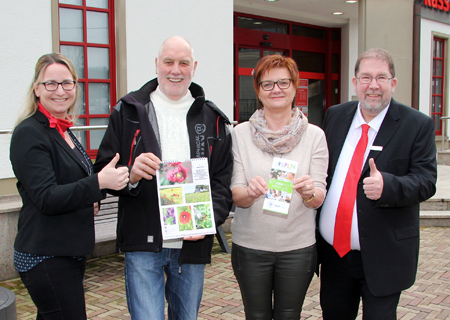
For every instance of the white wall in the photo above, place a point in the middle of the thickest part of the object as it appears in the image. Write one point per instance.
(206, 24)
(25, 35)
(349, 55)
(427, 30)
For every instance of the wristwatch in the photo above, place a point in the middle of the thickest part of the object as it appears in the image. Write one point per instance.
(312, 197)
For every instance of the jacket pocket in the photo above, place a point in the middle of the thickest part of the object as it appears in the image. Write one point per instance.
(407, 232)
(399, 167)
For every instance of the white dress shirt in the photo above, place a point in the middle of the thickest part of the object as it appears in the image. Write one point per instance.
(329, 208)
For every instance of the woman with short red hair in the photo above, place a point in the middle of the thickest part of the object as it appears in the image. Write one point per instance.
(274, 254)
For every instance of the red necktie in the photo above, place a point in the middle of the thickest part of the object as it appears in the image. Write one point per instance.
(344, 214)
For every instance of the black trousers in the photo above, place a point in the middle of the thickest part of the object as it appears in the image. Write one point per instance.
(343, 284)
(56, 288)
(285, 274)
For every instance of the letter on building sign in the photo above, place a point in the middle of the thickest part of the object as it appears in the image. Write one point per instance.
(443, 5)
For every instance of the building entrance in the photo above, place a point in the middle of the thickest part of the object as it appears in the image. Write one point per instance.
(316, 51)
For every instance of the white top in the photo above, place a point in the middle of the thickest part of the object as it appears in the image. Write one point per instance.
(328, 213)
(171, 116)
(258, 229)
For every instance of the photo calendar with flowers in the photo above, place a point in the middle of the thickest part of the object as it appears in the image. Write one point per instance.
(185, 204)
(281, 181)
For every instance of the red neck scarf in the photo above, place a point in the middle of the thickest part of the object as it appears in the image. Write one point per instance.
(60, 124)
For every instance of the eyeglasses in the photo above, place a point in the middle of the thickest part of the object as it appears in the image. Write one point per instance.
(268, 85)
(379, 79)
(67, 85)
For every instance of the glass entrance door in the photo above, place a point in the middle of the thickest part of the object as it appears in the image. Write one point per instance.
(315, 49)
(311, 91)
(247, 100)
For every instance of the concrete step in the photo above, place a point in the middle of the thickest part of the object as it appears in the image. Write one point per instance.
(435, 218)
(435, 205)
(443, 157)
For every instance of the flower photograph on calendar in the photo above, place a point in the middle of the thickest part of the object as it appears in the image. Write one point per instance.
(185, 202)
(175, 173)
(202, 214)
(185, 218)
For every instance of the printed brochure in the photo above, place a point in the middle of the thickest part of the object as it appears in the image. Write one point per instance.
(279, 193)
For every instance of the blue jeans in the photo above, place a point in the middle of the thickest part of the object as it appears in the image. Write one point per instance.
(145, 285)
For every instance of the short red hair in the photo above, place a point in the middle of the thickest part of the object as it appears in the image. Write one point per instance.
(267, 63)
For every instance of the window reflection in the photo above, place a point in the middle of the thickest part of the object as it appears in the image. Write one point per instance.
(248, 57)
(99, 102)
(98, 63)
(308, 32)
(102, 4)
(70, 25)
(97, 135)
(263, 25)
(309, 61)
(97, 27)
(73, 2)
(81, 102)
(76, 55)
(247, 98)
(81, 135)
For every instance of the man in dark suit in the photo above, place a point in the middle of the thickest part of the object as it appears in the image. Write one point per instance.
(369, 242)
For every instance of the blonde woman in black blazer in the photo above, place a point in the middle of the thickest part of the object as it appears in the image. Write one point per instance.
(60, 193)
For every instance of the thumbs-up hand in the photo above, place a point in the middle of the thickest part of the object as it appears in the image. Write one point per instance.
(373, 185)
(111, 177)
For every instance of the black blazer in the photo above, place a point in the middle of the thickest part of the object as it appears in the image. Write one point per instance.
(389, 226)
(57, 216)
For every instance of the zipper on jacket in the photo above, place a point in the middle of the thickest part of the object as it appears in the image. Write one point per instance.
(217, 137)
(132, 145)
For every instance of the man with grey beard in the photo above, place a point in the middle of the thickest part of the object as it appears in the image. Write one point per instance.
(382, 165)
(167, 119)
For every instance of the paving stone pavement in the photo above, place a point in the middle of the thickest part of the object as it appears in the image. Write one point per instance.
(429, 298)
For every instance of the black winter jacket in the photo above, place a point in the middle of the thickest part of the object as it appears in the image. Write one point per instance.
(131, 131)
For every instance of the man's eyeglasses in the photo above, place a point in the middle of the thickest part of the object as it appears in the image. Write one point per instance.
(268, 85)
(53, 85)
(379, 79)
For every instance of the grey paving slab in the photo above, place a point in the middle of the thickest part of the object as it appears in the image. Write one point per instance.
(428, 298)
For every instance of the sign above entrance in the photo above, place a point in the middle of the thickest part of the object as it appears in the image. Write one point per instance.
(442, 5)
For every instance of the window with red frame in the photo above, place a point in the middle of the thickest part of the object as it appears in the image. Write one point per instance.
(437, 83)
(86, 34)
